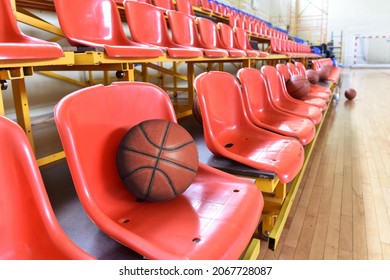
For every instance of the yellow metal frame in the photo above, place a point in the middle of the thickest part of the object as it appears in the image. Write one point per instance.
(2, 110)
(253, 250)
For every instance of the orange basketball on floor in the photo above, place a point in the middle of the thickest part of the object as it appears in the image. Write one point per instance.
(157, 160)
(298, 86)
(312, 76)
(350, 93)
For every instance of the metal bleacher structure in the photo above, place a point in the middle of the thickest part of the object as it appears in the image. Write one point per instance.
(270, 45)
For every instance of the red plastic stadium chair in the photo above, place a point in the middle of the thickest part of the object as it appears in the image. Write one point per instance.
(206, 6)
(282, 100)
(16, 45)
(195, 3)
(275, 45)
(97, 23)
(213, 219)
(227, 40)
(147, 25)
(216, 8)
(164, 5)
(262, 113)
(28, 227)
(309, 99)
(184, 32)
(230, 133)
(242, 43)
(185, 6)
(209, 36)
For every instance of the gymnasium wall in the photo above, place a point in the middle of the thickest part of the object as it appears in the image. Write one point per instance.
(363, 18)
(275, 11)
(259, 8)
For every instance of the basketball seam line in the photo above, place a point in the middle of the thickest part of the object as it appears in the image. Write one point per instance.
(163, 159)
(157, 160)
(161, 148)
(154, 169)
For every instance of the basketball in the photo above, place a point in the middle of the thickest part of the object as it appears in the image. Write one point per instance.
(157, 160)
(298, 86)
(196, 110)
(350, 93)
(312, 76)
(324, 72)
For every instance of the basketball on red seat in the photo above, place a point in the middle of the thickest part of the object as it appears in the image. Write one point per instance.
(298, 86)
(312, 76)
(324, 72)
(157, 160)
(350, 93)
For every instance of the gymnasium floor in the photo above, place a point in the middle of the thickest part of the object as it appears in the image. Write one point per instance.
(342, 209)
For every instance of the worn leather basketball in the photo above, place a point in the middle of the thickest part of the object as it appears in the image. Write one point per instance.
(324, 72)
(312, 76)
(157, 160)
(298, 86)
(350, 93)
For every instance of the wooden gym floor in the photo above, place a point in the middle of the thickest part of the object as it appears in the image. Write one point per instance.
(342, 209)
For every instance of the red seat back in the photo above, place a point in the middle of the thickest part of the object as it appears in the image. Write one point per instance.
(28, 226)
(96, 21)
(16, 45)
(147, 24)
(195, 3)
(185, 6)
(301, 68)
(226, 35)
(164, 4)
(222, 108)
(184, 29)
(208, 33)
(255, 92)
(205, 5)
(293, 69)
(283, 69)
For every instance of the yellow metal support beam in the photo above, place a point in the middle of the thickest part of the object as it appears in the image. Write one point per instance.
(2, 109)
(190, 83)
(51, 158)
(266, 185)
(253, 250)
(39, 23)
(22, 108)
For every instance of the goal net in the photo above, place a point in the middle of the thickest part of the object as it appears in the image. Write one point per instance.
(371, 51)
